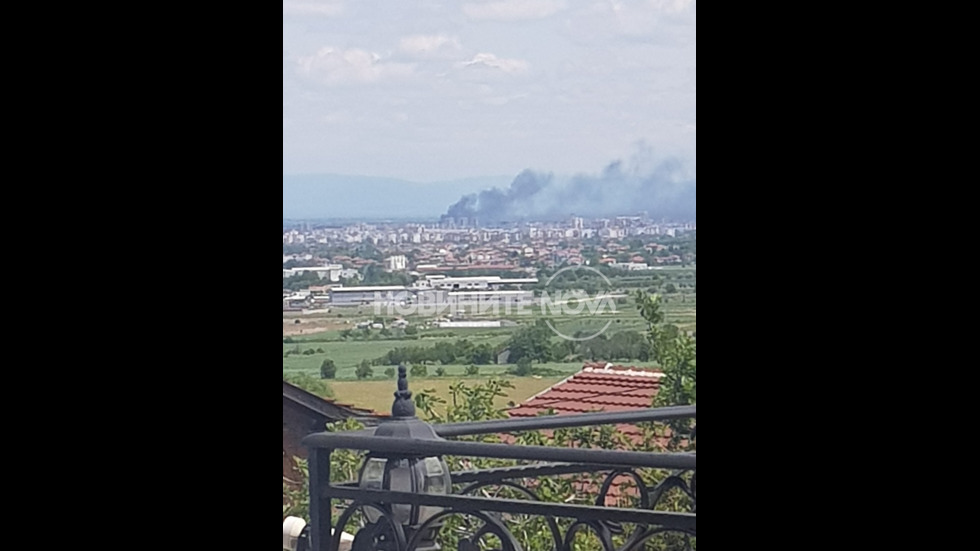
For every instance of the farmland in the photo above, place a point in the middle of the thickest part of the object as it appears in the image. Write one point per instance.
(310, 340)
(378, 395)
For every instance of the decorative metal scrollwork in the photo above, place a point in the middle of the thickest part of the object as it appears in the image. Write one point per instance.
(384, 535)
(552, 523)
(675, 481)
(605, 532)
(601, 530)
(491, 527)
(641, 542)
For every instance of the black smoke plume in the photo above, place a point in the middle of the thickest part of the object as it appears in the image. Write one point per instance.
(662, 190)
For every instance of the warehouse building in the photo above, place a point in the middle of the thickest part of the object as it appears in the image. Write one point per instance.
(368, 296)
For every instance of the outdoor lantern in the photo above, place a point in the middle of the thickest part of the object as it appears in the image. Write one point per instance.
(413, 474)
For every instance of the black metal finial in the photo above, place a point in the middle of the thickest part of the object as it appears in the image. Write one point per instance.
(403, 407)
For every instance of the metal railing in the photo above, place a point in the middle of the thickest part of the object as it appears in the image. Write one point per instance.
(405, 505)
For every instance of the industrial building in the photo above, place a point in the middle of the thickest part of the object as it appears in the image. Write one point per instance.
(367, 296)
(486, 283)
(438, 290)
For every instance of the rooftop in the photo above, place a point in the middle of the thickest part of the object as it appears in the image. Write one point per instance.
(321, 407)
(597, 388)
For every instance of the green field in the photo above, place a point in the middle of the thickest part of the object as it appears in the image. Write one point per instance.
(376, 394)
(379, 395)
(679, 309)
(347, 355)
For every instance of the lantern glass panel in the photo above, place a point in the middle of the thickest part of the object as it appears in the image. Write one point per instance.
(373, 479)
(435, 473)
(402, 481)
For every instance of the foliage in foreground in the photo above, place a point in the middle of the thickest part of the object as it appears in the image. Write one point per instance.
(675, 351)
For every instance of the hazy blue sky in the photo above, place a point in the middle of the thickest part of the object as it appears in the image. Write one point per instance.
(430, 90)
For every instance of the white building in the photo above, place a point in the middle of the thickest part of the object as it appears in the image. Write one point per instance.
(396, 263)
(331, 273)
(488, 283)
(365, 296)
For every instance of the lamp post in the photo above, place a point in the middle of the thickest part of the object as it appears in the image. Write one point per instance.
(403, 473)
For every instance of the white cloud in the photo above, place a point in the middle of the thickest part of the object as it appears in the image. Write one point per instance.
(509, 66)
(564, 93)
(665, 22)
(671, 6)
(430, 45)
(661, 6)
(514, 10)
(324, 8)
(333, 66)
(500, 101)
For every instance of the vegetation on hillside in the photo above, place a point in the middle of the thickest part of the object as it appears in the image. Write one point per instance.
(675, 350)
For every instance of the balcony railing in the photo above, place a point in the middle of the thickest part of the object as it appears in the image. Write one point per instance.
(401, 510)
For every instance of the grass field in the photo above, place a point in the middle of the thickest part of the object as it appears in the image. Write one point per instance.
(323, 333)
(379, 395)
(348, 354)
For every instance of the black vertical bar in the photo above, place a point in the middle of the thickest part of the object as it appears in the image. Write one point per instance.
(321, 506)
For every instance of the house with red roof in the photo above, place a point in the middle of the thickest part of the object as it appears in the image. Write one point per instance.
(598, 388)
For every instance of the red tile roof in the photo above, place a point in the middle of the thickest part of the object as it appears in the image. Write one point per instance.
(598, 388)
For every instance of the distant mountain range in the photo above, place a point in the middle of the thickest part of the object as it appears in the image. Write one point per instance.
(336, 196)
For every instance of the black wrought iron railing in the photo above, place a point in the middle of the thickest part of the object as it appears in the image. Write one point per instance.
(404, 502)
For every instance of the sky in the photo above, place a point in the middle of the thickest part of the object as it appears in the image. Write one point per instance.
(436, 90)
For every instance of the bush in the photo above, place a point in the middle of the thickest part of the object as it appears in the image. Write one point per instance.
(364, 371)
(328, 370)
(524, 368)
(310, 384)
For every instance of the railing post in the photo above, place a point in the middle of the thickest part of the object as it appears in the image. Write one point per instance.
(321, 505)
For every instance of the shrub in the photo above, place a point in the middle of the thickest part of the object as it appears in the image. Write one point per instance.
(328, 370)
(364, 371)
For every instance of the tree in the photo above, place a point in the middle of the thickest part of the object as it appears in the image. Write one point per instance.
(677, 354)
(532, 342)
(482, 355)
(364, 371)
(328, 370)
(524, 368)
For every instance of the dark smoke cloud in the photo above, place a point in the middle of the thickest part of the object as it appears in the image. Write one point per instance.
(659, 188)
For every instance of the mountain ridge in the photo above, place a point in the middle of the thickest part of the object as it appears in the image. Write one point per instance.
(309, 196)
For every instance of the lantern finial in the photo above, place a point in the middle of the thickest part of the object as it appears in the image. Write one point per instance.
(403, 407)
